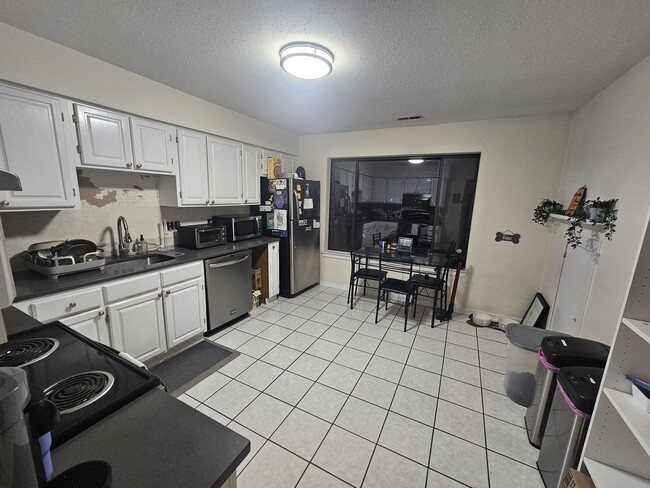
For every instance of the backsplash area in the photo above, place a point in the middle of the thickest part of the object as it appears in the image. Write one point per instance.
(105, 195)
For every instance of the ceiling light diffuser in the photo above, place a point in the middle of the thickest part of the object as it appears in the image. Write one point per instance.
(306, 60)
(416, 161)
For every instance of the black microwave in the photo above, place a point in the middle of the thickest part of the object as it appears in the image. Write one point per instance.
(201, 236)
(240, 227)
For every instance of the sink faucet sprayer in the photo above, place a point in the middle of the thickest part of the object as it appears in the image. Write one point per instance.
(124, 246)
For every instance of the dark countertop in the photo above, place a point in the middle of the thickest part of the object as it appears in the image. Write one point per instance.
(30, 284)
(158, 441)
(154, 441)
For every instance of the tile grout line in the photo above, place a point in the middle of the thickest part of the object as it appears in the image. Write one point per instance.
(373, 355)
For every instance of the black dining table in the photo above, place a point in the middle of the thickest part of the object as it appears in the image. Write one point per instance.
(430, 265)
(432, 259)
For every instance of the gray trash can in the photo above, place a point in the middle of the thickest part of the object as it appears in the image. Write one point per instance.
(573, 403)
(524, 342)
(558, 352)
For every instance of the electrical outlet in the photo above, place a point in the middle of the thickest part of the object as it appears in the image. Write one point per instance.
(177, 224)
(170, 225)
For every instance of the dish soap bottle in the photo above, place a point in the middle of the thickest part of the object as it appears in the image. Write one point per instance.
(141, 245)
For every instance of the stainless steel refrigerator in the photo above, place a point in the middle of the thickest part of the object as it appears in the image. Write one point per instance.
(291, 211)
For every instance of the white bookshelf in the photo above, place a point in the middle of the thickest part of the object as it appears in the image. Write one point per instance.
(617, 447)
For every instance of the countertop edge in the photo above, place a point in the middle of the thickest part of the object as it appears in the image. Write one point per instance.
(31, 285)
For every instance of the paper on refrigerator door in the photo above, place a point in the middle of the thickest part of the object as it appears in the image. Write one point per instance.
(309, 203)
(280, 219)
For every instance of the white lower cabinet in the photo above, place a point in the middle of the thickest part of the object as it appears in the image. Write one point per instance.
(91, 324)
(142, 315)
(138, 326)
(274, 268)
(184, 306)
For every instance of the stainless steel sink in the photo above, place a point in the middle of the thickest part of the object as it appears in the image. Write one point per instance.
(141, 259)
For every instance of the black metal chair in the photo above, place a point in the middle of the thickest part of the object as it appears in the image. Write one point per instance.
(395, 285)
(438, 284)
(376, 238)
(360, 270)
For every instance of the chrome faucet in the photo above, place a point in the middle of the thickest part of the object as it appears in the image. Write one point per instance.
(124, 246)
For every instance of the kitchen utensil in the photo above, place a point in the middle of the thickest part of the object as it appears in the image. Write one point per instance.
(39, 246)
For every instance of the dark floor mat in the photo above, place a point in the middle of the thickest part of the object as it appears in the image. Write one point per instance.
(191, 366)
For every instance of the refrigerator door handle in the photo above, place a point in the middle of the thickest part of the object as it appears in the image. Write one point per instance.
(295, 197)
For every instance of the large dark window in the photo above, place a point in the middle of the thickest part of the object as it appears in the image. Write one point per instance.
(431, 202)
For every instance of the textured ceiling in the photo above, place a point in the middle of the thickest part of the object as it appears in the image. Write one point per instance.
(447, 60)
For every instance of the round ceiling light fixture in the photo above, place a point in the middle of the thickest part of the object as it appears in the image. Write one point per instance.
(306, 60)
(416, 161)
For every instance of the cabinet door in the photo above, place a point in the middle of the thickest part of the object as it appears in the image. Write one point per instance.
(366, 188)
(224, 171)
(91, 324)
(105, 138)
(411, 185)
(266, 154)
(193, 167)
(184, 311)
(153, 145)
(394, 190)
(138, 326)
(424, 185)
(33, 145)
(251, 175)
(274, 269)
(379, 190)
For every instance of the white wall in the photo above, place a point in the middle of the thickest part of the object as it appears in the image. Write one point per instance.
(35, 62)
(521, 162)
(609, 151)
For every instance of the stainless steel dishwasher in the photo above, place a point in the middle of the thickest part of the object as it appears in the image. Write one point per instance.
(228, 281)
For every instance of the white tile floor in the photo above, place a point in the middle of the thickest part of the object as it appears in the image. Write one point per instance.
(328, 398)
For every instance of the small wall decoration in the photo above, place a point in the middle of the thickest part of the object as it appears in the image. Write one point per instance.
(507, 236)
(576, 201)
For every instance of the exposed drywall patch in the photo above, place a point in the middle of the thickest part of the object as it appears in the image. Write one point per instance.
(93, 195)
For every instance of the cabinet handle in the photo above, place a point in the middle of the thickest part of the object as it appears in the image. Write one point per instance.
(139, 165)
(212, 202)
(207, 202)
(129, 165)
(72, 305)
(167, 293)
(100, 313)
(160, 295)
(4, 203)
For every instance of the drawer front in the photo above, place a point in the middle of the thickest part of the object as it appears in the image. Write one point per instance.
(178, 274)
(131, 287)
(62, 305)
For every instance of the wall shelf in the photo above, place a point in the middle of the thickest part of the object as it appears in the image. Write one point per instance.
(566, 218)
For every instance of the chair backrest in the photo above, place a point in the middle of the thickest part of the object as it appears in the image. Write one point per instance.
(400, 265)
(450, 262)
(376, 238)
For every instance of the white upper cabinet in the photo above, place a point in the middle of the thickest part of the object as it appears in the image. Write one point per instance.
(264, 167)
(224, 171)
(379, 190)
(34, 145)
(154, 145)
(193, 168)
(105, 138)
(251, 157)
(394, 190)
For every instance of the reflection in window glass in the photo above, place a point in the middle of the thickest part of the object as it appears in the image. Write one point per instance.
(384, 199)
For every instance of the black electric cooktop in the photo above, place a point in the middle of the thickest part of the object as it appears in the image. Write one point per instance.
(86, 380)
